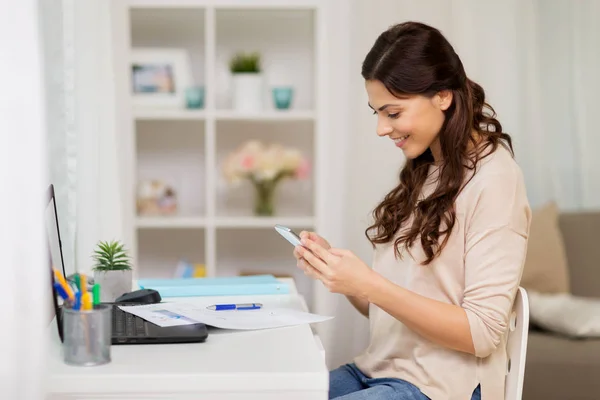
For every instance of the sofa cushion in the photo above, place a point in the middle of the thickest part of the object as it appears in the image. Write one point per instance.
(563, 313)
(557, 368)
(546, 269)
(581, 236)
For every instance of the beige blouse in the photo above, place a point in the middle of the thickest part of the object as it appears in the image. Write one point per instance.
(479, 269)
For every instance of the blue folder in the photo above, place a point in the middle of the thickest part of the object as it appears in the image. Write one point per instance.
(218, 286)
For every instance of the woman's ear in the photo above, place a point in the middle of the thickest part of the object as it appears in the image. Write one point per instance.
(444, 99)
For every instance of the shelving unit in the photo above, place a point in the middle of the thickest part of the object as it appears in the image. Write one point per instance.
(215, 225)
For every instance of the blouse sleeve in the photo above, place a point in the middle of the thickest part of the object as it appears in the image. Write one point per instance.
(495, 249)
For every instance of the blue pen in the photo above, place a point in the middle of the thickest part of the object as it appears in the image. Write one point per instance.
(224, 307)
(61, 291)
(63, 294)
(77, 305)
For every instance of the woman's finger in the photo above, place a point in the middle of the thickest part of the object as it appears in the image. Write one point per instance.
(315, 262)
(297, 255)
(313, 236)
(340, 252)
(319, 251)
(309, 270)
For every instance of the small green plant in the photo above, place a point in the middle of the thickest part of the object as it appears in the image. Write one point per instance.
(111, 256)
(245, 62)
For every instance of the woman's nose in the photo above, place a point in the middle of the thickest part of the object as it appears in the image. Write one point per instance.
(383, 129)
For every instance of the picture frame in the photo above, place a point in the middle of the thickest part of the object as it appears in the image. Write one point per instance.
(159, 77)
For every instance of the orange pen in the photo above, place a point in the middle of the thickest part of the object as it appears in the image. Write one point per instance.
(86, 301)
(64, 284)
(83, 283)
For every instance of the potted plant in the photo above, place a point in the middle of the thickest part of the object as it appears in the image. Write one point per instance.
(265, 166)
(112, 270)
(247, 82)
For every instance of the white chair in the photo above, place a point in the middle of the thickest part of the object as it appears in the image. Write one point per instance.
(517, 346)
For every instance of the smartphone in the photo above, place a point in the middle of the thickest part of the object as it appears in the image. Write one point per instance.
(289, 235)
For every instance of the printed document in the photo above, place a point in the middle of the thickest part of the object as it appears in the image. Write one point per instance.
(172, 314)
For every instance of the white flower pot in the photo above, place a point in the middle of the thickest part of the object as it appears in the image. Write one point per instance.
(113, 284)
(247, 92)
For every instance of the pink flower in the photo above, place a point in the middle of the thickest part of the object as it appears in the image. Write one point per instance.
(248, 163)
(303, 169)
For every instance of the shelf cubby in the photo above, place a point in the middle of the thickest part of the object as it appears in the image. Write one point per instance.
(181, 28)
(294, 198)
(173, 151)
(285, 41)
(161, 249)
(258, 251)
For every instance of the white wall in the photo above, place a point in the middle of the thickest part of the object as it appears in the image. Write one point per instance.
(24, 283)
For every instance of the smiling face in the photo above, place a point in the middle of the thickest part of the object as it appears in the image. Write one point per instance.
(413, 122)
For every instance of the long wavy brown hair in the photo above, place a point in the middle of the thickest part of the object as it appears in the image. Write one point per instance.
(415, 59)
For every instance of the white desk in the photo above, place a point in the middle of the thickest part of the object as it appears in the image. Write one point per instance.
(285, 363)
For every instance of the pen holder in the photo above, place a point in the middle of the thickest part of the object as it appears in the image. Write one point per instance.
(87, 335)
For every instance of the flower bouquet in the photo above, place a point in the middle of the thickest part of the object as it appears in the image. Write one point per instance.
(264, 166)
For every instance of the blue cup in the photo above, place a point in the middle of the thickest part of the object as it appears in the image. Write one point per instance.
(194, 97)
(282, 97)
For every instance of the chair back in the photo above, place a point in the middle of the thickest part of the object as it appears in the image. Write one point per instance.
(517, 346)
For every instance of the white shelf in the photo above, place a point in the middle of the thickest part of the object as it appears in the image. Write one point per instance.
(264, 222)
(186, 147)
(149, 114)
(275, 115)
(171, 222)
(167, 222)
(226, 4)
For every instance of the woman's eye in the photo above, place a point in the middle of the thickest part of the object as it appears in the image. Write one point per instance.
(374, 112)
(394, 116)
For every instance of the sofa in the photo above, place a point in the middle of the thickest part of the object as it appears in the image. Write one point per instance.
(564, 255)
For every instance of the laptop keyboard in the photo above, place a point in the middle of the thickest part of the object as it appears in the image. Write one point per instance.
(126, 324)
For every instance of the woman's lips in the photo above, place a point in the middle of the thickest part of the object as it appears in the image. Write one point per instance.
(401, 141)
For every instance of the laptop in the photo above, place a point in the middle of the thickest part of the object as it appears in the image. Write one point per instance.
(126, 328)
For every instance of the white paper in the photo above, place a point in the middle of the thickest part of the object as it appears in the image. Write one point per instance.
(158, 315)
(162, 314)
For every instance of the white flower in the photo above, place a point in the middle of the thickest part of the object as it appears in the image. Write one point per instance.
(261, 162)
(266, 174)
(291, 159)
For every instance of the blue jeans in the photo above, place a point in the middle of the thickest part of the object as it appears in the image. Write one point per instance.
(349, 383)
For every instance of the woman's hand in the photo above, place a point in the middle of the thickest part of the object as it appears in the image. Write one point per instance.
(300, 262)
(315, 238)
(340, 270)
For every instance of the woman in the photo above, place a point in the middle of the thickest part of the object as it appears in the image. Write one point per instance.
(450, 239)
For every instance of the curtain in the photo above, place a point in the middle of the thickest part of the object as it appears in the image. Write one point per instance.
(24, 285)
(570, 61)
(98, 188)
(537, 61)
(57, 20)
(82, 147)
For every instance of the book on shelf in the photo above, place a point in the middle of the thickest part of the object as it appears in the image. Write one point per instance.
(216, 286)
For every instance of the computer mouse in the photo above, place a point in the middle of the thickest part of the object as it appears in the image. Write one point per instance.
(142, 296)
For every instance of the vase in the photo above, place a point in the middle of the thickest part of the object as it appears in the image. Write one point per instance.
(247, 92)
(194, 97)
(113, 284)
(264, 202)
(282, 97)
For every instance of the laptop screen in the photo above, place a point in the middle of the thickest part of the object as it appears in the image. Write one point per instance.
(51, 223)
(55, 257)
